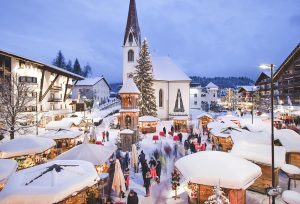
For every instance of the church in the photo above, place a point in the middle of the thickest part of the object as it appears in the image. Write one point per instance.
(171, 84)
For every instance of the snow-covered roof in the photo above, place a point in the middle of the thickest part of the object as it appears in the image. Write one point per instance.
(129, 110)
(220, 125)
(259, 153)
(228, 117)
(126, 131)
(148, 118)
(204, 114)
(7, 168)
(25, 145)
(212, 167)
(290, 196)
(219, 133)
(62, 134)
(250, 137)
(75, 120)
(165, 69)
(181, 118)
(96, 154)
(249, 88)
(53, 186)
(211, 85)
(89, 81)
(289, 139)
(129, 87)
(56, 125)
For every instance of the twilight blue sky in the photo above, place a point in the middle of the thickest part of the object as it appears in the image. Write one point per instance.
(204, 37)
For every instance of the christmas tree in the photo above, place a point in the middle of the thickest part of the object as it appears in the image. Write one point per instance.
(218, 197)
(143, 78)
(175, 182)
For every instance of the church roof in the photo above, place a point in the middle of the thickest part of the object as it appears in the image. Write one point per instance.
(211, 85)
(132, 24)
(165, 69)
(129, 87)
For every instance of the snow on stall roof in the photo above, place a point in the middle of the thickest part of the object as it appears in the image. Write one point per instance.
(289, 139)
(96, 154)
(292, 197)
(251, 137)
(181, 118)
(259, 153)
(56, 125)
(211, 85)
(126, 131)
(129, 87)
(148, 118)
(7, 168)
(51, 187)
(249, 88)
(25, 145)
(218, 132)
(89, 81)
(75, 120)
(204, 114)
(129, 110)
(212, 167)
(228, 117)
(62, 134)
(221, 125)
(165, 69)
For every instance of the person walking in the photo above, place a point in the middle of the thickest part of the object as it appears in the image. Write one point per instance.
(164, 130)
(180, 137)
(141, 158)
(126, 176)
(172, 128)
(152, 162)
(107, 136)
(103, 136)
(192, 147)
(145, 169)
(153, 172)
(147, 183)
(186, 146)
(158, 171)
(125, 161)
(132, 197)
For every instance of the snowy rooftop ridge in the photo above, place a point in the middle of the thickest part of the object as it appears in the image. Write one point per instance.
(211, 85)
(165, 69)
(89, 81)
(129, 87)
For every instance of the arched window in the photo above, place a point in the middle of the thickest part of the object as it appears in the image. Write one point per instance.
(130, 56)
(128, 121)
(160, 98)
(130, 38)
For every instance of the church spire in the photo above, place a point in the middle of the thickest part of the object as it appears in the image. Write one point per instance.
(132, 24)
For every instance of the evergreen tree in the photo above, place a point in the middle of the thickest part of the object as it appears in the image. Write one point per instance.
(87, 71)
(59, 61)
(69, 66)
(77, 68)
(143, 77)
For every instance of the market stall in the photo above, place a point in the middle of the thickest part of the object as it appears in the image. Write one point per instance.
(261, 155)
(64, 182)
(230, 118)
(219, 125)
(148, 124)
(56, 125)
(204, 119)
(28, 150)
(65, 139)
(221, 139)
(180, 123)
(7, 168)
(77, 121)
(204, 170)
(291, 141)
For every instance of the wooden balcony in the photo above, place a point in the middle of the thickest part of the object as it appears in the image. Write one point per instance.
(54, 100)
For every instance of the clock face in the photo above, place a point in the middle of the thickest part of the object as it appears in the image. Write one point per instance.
(130, 75)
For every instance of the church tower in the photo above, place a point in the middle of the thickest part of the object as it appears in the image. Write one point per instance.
(131, 43)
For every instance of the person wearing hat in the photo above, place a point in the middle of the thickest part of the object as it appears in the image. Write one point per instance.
(132, 197)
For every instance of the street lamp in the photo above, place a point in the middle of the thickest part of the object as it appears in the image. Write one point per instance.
(271, 192)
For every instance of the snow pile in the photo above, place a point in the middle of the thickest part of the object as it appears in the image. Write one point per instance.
(7, 167)
(292, 197)
(148, 118)
(56, 125)
(250, 137)
(289, 139)
(259, 153)
(213, 167)
(76, 120)
(126, 131)
(55, 183)
(25, 145)
(129, 87)
(96, 154)
(62, 134)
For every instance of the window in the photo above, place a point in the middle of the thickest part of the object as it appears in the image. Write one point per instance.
(21, 64)
(160, 101)
(195, 95)
(195, 103)
(130, 38)
(128, 121)
(214, 95)
(27, 79)
(130, 56)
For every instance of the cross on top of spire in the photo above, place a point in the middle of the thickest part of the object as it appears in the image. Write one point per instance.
(132, 24)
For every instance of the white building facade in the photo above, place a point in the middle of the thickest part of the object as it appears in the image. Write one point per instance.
(51, 85)
(204, 97)
(96, 89)
(171, 84)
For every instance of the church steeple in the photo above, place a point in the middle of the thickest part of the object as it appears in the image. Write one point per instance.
(132, 26)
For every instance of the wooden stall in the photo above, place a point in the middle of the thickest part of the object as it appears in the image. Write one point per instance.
(148, 124)
(293, 158)
(180, 123)
(230, 118)
(28, 151)
(261, 155)
(204, 119)
(221, 140)
(201, 179)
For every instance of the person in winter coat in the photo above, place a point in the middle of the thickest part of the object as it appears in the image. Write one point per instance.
(152, 162)
(145, 169)
(132, 197)
(153, 172)
(180, 137)
(125, 161)
(107, 136)
(192, 147)
(103, 136)
(142, 158)
(164, 130)
(126, 176)
(147, 183)
(172, 128)
(158, 170)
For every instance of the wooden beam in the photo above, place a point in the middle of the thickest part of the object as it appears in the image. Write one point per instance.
(50, 86)
(41, 85)
(66, 88)
(72, 87)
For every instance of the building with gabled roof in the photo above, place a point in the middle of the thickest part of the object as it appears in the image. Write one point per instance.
(171, 84)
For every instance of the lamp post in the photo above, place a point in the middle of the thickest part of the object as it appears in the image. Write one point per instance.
(272, 192)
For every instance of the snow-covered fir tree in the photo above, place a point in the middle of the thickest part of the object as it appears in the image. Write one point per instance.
(218, 197)
(143, 77)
